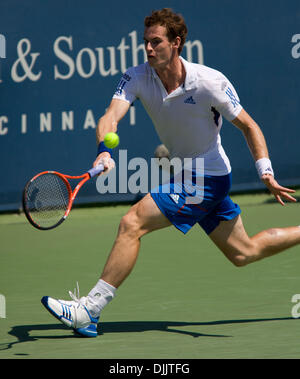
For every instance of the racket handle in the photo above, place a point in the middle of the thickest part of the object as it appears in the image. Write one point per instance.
(96, 170)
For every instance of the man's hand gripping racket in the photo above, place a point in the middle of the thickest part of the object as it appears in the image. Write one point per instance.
(48, 196)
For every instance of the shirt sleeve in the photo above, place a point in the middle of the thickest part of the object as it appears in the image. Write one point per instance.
(127, 87)
(225, 98)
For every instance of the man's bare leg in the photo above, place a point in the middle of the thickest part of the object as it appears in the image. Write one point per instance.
(142, 218)
(240, 249)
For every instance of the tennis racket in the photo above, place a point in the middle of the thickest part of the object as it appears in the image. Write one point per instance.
(48, 197)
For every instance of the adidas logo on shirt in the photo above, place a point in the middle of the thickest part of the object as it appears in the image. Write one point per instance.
(174, 197)
(190, 100)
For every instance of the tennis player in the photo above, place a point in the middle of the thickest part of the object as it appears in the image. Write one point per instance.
(186, 103)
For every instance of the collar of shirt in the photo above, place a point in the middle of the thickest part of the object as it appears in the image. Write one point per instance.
(190, 79)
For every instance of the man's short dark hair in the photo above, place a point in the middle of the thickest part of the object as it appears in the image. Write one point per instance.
(173, 22)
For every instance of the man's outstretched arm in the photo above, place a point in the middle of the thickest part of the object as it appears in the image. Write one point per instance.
(258, 148)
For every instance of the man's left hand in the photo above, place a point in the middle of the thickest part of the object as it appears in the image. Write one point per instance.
(277, 190)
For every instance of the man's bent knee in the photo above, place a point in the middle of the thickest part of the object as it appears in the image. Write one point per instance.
(232, 239)
(240, 260)
(243, 258)
(130, 224)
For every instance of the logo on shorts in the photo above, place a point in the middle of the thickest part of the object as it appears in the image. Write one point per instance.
(175, 197)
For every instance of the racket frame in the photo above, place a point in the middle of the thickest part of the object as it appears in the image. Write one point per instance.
(72, 195)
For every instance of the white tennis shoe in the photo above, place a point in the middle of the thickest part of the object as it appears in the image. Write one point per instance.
(75, 314)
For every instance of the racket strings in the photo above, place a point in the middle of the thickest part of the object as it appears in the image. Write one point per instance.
(47, 199)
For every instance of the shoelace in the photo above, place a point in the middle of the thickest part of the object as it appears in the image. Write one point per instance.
(76, 296)
(82, 301)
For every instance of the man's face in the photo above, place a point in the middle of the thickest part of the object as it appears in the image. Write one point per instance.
(158, 47)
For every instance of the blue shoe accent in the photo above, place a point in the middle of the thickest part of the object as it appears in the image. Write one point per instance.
(94, 320)
(44, 301)
(89, 331)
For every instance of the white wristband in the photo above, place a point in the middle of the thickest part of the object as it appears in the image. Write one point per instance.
(264, 166)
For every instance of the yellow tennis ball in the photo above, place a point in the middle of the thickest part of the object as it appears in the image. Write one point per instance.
(111, 140)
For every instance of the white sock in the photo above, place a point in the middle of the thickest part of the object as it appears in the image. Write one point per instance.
(100, 296)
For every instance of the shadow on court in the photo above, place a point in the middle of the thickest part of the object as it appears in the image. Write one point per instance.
(22, 332)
